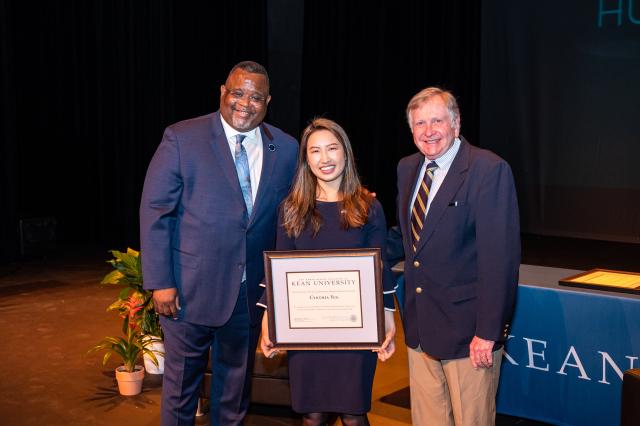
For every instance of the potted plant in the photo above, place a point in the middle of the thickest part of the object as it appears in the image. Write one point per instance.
(127, 273)
(129, 348)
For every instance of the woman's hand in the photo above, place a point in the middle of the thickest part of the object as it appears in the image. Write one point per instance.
(388, 346)
(265, 344)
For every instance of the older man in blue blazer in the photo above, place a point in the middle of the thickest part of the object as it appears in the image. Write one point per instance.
(208, 211)
(460, 237)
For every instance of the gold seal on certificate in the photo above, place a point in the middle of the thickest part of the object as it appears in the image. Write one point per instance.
(325, 299)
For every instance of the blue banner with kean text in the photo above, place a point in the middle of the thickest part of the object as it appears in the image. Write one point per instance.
(566, 354)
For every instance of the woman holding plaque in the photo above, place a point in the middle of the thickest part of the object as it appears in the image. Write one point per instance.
(328, 208)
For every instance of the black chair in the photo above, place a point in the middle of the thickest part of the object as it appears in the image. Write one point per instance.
(630, 397)
(269, 381)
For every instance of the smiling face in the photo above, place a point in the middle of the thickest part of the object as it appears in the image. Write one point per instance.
(244, 99)
(433, 129)
(326, 158)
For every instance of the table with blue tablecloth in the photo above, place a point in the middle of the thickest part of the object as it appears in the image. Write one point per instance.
(567, 350)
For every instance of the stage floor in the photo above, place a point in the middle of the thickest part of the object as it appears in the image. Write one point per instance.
(52, 311)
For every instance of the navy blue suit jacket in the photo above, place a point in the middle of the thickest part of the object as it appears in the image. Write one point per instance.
(194, 229)
(468, 256)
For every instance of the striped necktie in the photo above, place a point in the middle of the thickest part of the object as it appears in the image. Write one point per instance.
(419, 210)
(242, 168)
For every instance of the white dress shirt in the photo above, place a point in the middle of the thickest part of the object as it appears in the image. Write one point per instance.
(444, 163)
(253, 144)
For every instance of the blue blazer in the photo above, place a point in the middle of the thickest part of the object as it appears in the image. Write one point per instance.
(194, 229)
(468, 256)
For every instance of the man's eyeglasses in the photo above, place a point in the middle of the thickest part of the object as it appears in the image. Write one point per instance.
(253, 97)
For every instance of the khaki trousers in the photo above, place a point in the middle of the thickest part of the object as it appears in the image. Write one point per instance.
(452, 392)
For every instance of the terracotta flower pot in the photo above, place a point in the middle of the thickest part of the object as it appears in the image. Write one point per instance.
(130, 383)
(158, 349)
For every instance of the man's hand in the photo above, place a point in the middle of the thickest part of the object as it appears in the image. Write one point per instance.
(166, 302)
(481, 352)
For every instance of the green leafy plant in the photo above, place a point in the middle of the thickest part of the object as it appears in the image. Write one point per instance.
(127, 273)
(128, 348)
(135, 344)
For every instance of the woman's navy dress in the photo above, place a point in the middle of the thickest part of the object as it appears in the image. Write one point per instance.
(337, 381)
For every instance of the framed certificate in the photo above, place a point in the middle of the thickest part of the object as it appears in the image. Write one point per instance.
(325, 299)
(605, 279)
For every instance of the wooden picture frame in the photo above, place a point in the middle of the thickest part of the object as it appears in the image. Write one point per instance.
(325, 299)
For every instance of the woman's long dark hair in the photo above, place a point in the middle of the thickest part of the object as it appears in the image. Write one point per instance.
(299, 208)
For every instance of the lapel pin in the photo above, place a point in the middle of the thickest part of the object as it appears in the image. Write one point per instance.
(272, 147)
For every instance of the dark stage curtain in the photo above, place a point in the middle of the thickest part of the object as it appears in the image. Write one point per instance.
(363, 63)
(8, 194)
(561, 102)
(88, 87)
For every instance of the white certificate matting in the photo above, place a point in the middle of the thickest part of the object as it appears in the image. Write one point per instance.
(324, 299)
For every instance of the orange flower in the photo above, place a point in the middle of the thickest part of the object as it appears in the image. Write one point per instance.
(131, 308)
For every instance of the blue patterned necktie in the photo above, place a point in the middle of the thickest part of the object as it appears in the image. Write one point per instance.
(419, 210)
(242, 168)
